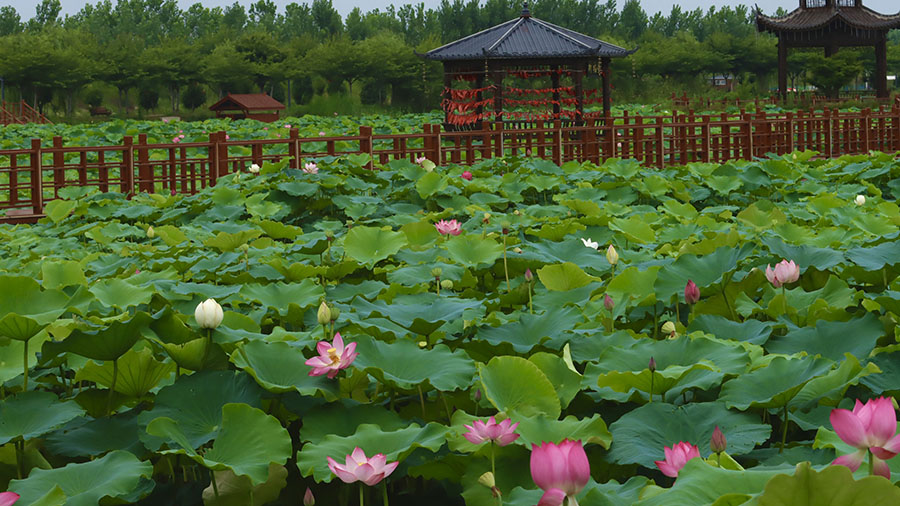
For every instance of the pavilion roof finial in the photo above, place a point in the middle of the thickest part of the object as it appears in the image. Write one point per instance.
(525, 12)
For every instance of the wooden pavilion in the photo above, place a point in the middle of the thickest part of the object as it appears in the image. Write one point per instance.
(831, 24)
(258, 106)
(524, 48)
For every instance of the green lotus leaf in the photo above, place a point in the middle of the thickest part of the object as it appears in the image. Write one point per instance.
(805, 255)
(473, 251)
(703, 270)
(85, 437)
(535, 430)
(20, 328)
(280, 367)
(107, 343)
(889, 365)
(61, 274)
(342, 417)
(832, 486)
(634, 287)
(58, 210)
(422, 313)
(246, 443)
(23, 296)
(369, 245)
(170, 235)
(195, 403)
(12, 352)
(138, 373)
(120, 293)
(298, 188)
(566, 381)
(117, 474)
(532, 329)
(635, 229)
(502, 379)
(774, 385)
(431, 183)
(876, 257)
(225, 241)
(836, 294)
(829, 339)
(234, 490)
(826, 438)
(700, 484)
(640, 434)
(762, 215)
(875, 225)
(281, 296)
(750, 331)
(395, 445)
(33, 414)
(403, 364)
(564, 277)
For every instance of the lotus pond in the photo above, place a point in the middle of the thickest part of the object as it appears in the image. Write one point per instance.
(118, 389)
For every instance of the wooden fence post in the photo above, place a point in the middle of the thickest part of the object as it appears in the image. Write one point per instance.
(436, 144)
(829, 146)
(707, 139)
(499, 141)
(213, 162)
(557, 142)
(37, 182)
(126, 174)
(59, 166)
(660, 144)
(747, 134)
(365, 145)
(222, 169)
(791, 143)
(865, 123)
(295, 152)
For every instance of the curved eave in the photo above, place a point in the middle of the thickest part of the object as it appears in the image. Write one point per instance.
(514, 56)
(784, 24)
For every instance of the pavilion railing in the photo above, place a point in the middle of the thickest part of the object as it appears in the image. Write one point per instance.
(32, 176)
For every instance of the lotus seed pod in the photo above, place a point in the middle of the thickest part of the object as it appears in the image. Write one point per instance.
(446, 284)
(487, 479)
(669, 329)
(436, 272)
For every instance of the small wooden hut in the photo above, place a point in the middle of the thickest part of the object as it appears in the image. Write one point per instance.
(258, 106)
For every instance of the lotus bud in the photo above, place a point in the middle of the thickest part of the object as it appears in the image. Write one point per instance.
(245, 248)
(486, 218)
(487, 479)
(237, 178)
(652, 365)
(335, 312)
(254, 169)
(477, 394)
(516, 212)
(436, 272)
(608, 302)
(517, 250)
(446, 284)
(528, 275)
(718, 443)
(208, 314)
(860, 200)
(308, 498)
(323, 316)
(423, 344)
(611, 255)
(691, 292)
(151, 233)
(668, 328)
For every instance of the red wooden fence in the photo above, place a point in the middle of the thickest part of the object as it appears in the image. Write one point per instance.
(29, 177)
(20, 113)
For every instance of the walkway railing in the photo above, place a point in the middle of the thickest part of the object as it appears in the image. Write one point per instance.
(20, 113)
(32, 176)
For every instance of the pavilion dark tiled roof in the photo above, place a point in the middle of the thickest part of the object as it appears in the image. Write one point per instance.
(526, 37)
(248, 101)
(819, 17)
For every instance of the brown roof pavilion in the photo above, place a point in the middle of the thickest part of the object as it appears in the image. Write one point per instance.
(831, 24)
(249, 106)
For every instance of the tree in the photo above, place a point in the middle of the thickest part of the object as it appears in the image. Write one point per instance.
(194, 96)
(228, 70)
(119, 63)
(47, 15)
(632, 20)
(338, 60)
(10, 22)
(173, 63)
(832, 73)
(326, 18)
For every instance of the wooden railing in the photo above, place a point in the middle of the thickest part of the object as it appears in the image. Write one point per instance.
(32, 176)
(20, 113)
(806, 98)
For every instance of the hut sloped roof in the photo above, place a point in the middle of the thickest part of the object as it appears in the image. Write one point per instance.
(525, 37)
(247, 101)
(812, 18)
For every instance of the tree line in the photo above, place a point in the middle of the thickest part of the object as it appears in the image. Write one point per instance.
(147, 48)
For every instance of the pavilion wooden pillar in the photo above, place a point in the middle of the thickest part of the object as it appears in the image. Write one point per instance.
(881, 90)
(479, 83)
(497, 78)
(607, 89)
(448, 83)
(554, 83)
(578, 76)
(782, 69)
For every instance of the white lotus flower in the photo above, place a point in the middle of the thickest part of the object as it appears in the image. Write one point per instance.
(254, 169)
(860, 200)
(208, 314)
(588, 243)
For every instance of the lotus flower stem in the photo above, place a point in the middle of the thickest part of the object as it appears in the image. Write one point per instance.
(362, 493)
(25, 366)
(677, 309)
(252, 502)
(871, 463)
(325, 332)
(421, 401)
(384, 494)
(212, 479)
(884, 277)
(728, 304)
(784, 429)
(112, 387)
(784, 296)
(494, 473)
(652, 373)
(530, 306)
(446, 406)
(20, 458)
(505, 269)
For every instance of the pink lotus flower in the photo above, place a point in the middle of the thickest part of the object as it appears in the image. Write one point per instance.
(676, 458)
(559, 469)
(691, 292)
(501, 433)
(227, 137)
(176, 140)
(358, 467)
(8, 498)
(784, 272)
(181, 131)
(420, 160)
(332, 357)
(266, 128)
(466, 175)
(869, 427)
(451, 227)
(552, 497)
(608, 302)
(321, 134)
(311, 168)
(287, 126)
(181, 136)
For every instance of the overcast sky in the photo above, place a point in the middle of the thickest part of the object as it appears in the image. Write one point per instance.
(26, 8)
